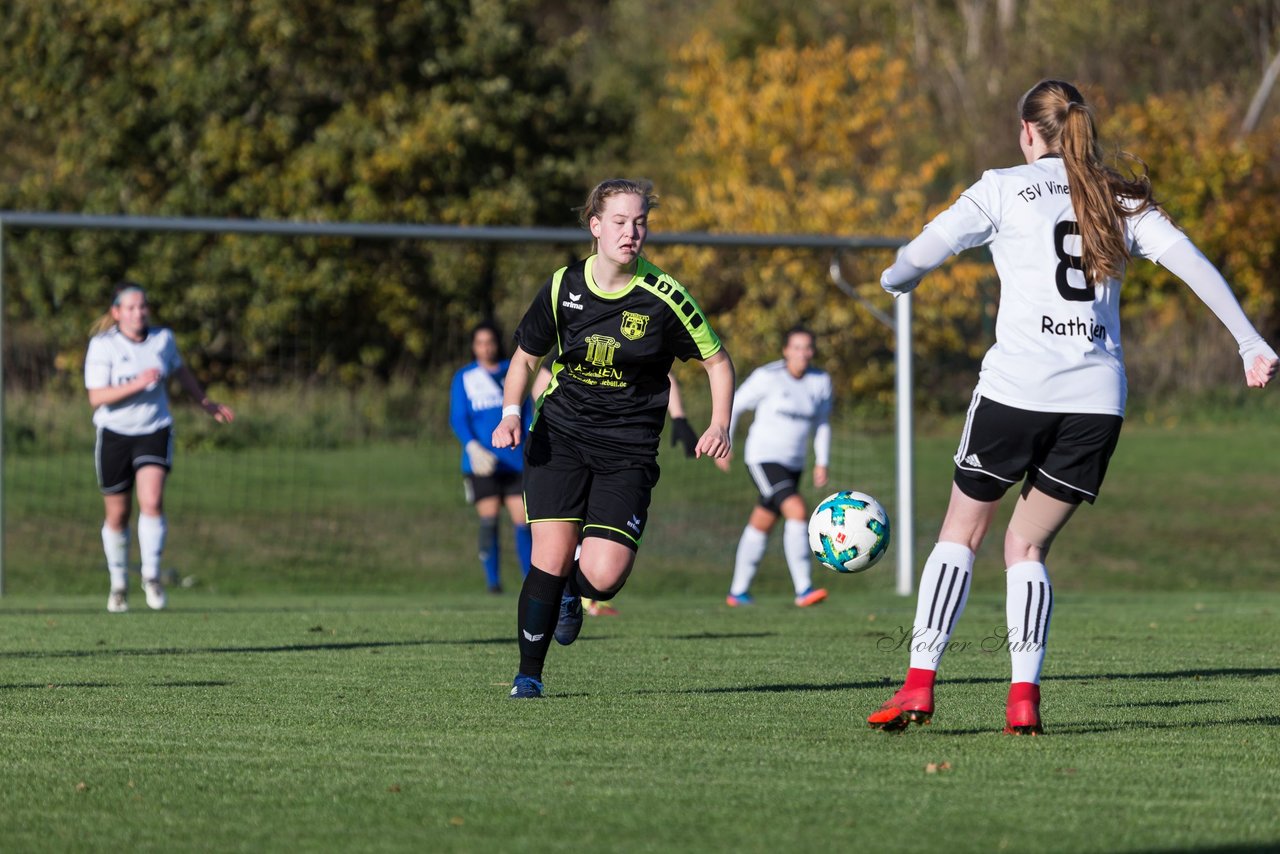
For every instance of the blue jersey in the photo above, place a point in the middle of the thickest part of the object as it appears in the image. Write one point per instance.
(475, 408)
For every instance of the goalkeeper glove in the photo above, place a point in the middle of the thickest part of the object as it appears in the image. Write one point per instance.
(483, 461)
(682, 434)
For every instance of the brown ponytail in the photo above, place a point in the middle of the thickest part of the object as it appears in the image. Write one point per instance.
(1100, 196)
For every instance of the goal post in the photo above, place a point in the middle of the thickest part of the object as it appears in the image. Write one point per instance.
(901, 324)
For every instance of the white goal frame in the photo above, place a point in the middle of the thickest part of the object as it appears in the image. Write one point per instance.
(904, 533)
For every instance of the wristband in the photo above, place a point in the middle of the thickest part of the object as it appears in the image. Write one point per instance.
(514, 409)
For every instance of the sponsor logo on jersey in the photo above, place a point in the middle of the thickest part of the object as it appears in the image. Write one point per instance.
(633, 325)
(601, 349)
(574, 301)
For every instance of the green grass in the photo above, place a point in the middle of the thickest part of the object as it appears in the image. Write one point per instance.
(379, 723)
(1182, 509)
(334, 680)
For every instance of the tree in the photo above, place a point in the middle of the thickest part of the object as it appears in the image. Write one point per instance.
(808, 139)
(439, 111)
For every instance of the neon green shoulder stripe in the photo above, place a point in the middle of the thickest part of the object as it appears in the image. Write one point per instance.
(555, 367)
(652, 279)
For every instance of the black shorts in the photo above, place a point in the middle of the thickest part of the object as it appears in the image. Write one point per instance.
(608, 495)
(776, 483)
(500, 484)
(117, 457)
(1063, 455)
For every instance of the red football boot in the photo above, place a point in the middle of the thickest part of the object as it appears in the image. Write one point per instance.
(1022, 712)
(912, 704)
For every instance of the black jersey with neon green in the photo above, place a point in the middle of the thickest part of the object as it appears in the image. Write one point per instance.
(609, 384)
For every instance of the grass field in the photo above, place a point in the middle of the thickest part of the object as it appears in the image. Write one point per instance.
(334, 680)
(379, 723)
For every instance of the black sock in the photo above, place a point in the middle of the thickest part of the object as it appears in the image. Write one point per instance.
(536, 616)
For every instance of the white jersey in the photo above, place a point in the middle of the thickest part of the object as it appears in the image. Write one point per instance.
(788, 410)
(1057, 337)
(113, 359)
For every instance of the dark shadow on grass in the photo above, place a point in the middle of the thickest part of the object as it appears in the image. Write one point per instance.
(1164, 704)
(233, 650)
(1226, 848)
(721, 636)
(886, 682)
(1127, 725)
(197, 611)
(48, 686)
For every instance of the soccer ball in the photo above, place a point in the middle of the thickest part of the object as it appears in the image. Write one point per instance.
(849, 531)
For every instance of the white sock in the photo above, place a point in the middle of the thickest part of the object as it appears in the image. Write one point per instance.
(944, 589)
(1028, 607)
(151, 534)
(795, 545)
(115, 544)
(750, 550)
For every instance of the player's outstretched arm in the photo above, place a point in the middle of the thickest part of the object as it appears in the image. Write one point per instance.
(1188, 263)
(915, 259)
(524, 365)
(715, 441)
(220, 412)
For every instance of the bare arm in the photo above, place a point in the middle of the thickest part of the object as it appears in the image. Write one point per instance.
(110, 395)
(519, 377)
(675, 404)
(715, 441)
(192, 387)
(540, 382)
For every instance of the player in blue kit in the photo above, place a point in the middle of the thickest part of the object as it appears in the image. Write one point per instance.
(492, 477)
(1050, 398)
(617, 323)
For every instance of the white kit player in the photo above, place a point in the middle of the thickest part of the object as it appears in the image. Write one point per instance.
(792, 403)
(1050, 397)
(125, 372)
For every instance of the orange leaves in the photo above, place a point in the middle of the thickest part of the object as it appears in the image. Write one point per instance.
(795, 139)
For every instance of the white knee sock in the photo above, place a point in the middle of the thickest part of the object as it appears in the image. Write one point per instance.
(795, 545)
(1028, 607)
(115, 544)
(750, 550)
(944, 589)
(151, 534)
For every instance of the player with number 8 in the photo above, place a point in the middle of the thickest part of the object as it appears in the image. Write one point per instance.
(1050, 397)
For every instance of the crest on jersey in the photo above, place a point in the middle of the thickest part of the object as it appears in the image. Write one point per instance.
(633, 325)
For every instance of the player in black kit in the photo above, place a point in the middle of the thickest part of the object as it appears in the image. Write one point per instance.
(617, 323)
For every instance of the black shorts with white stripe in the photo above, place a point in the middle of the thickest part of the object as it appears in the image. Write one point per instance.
(1064, 455)
(118, 457)
(775, 483)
